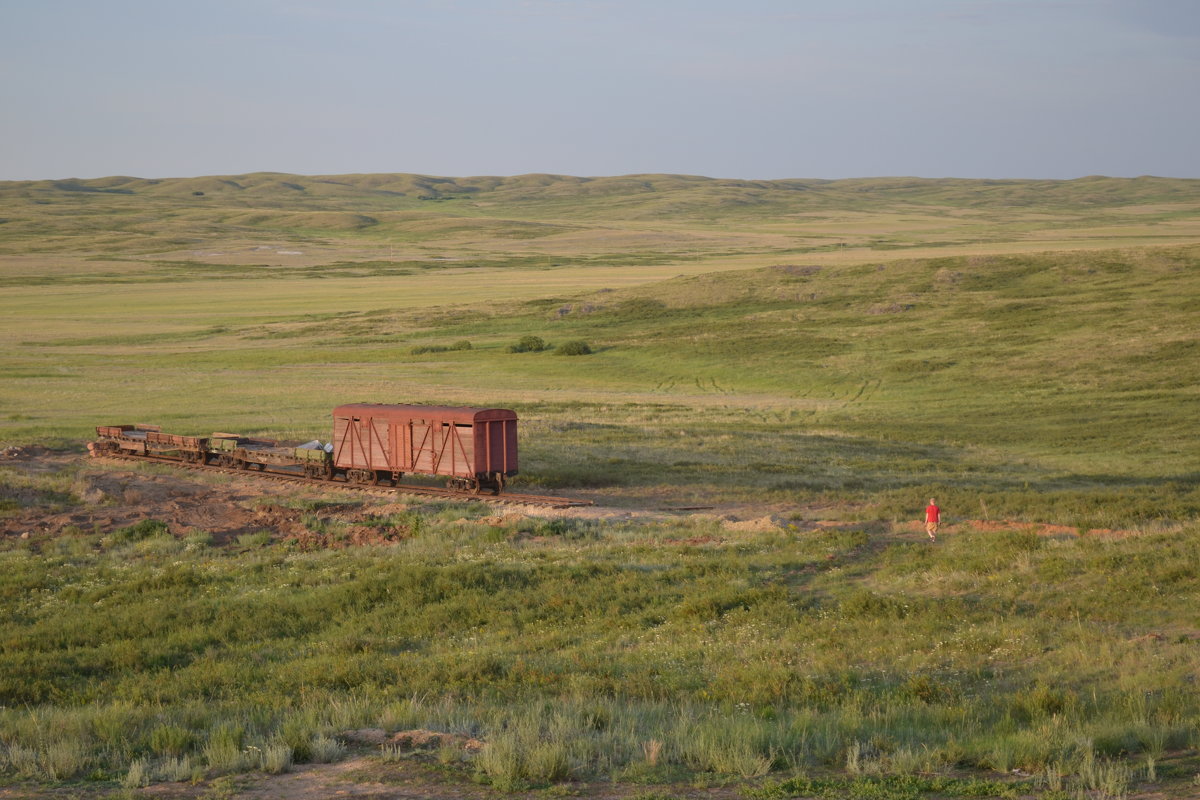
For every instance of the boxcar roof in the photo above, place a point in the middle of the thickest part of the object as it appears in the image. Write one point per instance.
(439, 413)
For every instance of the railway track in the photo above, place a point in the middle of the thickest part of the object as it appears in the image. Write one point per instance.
(547, 501)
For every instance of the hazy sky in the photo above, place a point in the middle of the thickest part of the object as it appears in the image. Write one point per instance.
(725, 88)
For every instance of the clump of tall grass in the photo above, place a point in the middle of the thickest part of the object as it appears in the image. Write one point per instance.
(511, 761)
(52, 760)
(324, 749)
(178, 768)
(138, 775)
(170, 740)
(275, 758)
(1110, 779)
(727, 745)
(223, 750)
(197, 541)
(530, 749)
(254, 539)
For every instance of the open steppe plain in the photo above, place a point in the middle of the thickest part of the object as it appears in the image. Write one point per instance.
(808, 361)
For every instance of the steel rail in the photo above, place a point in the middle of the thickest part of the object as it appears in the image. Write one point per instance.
(548, 501)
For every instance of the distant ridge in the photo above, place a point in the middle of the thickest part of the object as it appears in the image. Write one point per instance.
(691, 191)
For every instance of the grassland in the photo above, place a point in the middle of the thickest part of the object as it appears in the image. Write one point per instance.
(833, 351)
(571, 646)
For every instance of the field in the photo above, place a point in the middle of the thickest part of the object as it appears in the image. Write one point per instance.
(809, 360)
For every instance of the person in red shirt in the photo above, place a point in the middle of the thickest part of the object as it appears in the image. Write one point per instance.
(933, 515)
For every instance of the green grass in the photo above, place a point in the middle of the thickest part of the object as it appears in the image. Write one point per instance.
(828, 351)
(1053, 387)
(845, 652)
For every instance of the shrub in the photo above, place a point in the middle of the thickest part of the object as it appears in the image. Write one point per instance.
(528, 344)
(144, 529)
(575, 347)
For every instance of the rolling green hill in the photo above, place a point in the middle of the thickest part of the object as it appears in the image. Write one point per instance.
(135, 215)
(534, 190)
(817, 356)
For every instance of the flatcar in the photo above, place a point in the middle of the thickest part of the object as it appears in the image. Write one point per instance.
(372, 444)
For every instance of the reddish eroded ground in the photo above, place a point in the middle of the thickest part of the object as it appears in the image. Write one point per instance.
(370, 778)
(116, 494)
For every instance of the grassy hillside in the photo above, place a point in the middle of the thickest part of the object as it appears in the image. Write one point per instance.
(1059, 387)
(848, 660)
(824, 355)
(680, 216)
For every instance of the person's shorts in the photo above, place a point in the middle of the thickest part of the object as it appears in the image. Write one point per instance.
(931, 527)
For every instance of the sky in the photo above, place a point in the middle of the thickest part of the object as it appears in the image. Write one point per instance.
(753, 89)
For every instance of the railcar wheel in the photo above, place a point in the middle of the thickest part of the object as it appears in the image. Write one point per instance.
(362, 477)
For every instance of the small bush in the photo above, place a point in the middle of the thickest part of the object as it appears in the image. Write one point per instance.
(575, 347)
(145, 529)
(528, 344)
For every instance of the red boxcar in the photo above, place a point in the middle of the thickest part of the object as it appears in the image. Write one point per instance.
(476, 448)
